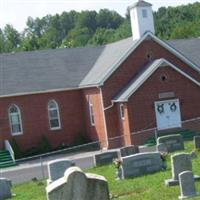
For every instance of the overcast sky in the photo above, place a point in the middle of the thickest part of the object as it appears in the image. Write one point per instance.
(16, 12)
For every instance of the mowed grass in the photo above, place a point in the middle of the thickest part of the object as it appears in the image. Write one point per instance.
(150, 187)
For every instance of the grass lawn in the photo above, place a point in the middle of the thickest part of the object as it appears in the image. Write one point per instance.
(150, 187)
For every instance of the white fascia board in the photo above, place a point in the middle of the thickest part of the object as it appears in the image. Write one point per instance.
(136, 85)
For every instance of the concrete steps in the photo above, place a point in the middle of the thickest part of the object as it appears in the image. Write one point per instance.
(6, 159)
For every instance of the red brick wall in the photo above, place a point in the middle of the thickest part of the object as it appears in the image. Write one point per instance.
(128, 69)
(192, 125)
(98, 131)
(124, 126)
(35, 118)
(141, 103)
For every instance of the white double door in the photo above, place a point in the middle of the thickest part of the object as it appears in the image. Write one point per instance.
(168, 114)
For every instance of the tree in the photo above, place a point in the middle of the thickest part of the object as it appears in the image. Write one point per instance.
(102, 36)
(2, 42)
(108, 19)
(12, 38)
(77, 37)
(87, 19)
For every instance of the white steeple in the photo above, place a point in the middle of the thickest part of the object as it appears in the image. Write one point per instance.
(142, 21)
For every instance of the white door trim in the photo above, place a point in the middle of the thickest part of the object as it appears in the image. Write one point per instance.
(168, 119)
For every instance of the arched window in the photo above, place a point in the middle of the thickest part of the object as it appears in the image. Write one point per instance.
(122, 114)
(54, 115)
(91, 112)
(15, 120)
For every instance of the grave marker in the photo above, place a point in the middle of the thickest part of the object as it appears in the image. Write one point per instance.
(187, 185)
(105, 158)
(173, 142)
(180, 162)
(197, 142)
(76, 185)
(141, 164)
(5, 188)
(57, 168)
(129, 150)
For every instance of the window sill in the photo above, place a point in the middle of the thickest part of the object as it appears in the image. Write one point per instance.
(16, 134)
(55, 129)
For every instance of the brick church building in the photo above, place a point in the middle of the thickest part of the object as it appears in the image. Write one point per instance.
(126, 89)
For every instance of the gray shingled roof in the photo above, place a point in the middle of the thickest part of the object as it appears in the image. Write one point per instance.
(45, 70)
(190, 48)
(107, 60)
(140, 3)
(28, 72)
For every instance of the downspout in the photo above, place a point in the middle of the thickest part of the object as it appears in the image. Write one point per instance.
(104, 118)
(110, 106)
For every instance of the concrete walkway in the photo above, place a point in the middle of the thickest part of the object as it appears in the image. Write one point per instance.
(37, 168)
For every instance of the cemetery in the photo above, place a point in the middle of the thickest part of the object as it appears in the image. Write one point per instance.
(143, 177)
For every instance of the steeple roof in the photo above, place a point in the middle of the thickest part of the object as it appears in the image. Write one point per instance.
(140, 3)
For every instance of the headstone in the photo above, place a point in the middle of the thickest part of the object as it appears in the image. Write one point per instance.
(129, 150)
(173, 142)
(180, 162)
(187, 185)
(193, 155)
(197, 142)
(141, 164)
(57, 168)
(162, 148)
(76, 185)
(5, 188)
(105, 158)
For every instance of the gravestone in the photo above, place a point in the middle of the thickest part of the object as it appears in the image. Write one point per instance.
(57, 168)
(5, 188)
(187, 185)
(173, 142)
(105, 158)
(193, 155)
(129, 150)
(197, 142)
(141, 164)
(180, 162)
(76, 185)
(162, 148)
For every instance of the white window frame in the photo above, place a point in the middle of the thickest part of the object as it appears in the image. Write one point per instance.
(58, 115)
(122, 111)
(20, 120)
(91, 113)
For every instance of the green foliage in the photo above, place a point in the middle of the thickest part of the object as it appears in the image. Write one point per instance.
(42, 147)
(16, 148)
(178, 22)
(81, 139)
(77, 29)
(34, 190)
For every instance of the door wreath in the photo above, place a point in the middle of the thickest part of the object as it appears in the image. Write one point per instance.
(160, 108)
(173, 107)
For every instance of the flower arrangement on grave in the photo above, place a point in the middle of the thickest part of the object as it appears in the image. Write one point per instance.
(163, 156)
(118, 165)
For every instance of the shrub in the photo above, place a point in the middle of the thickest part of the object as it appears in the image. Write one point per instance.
(16, 148)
